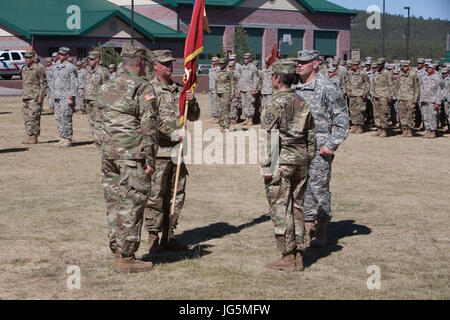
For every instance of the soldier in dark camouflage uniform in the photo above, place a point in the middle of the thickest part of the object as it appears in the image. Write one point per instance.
(329, 109)
(34, 90)
(358, 86)
(96, 75)
(290, 116)
(382, 97)
(81, 107)
(171, 134)
(129, 116)
(224, 92)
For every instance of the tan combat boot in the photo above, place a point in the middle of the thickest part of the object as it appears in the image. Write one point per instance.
(427, 134)
(409, 133)
(245, 121)
(320, 239)
(432, 134)
(383, 133)
(51, 110)
(65, 143)
(299, 260)
(250, 121)
(153, 241)
(404, 133)
(31, 140)
(377, 133)
(233, 121)
(286, 263)
(352, 129)
(359, 130)
(131, 265)
(310, 230)
(80, 112)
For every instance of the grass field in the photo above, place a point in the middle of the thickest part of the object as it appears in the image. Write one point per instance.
(390, 203)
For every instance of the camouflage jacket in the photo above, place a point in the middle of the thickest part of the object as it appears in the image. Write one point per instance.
(167, 99)
(212, 74)
(337, 81)
(329, 109)
(225, 82)
(407, 86)
(129, 119)
(342, 80)
(267, 81)
(447, 89)
(49, 76)
(249, 78)
(291, 116)
(95, 78)
(358, 84)
(260, 81)
(82, 79)
(65, 80)
(420, 73)
(383, 84)
(432, 89)
(34, 82)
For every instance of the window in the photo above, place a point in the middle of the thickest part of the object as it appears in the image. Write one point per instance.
(5, 56)
(16, 56)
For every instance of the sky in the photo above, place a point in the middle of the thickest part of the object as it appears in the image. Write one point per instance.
(425, 8)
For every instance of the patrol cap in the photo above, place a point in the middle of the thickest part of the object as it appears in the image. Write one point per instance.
(321, 58)
(247, 55)
(100, 62)
(29, 54)
(369, 59)
(215, 59)
(112, 66)
(396, 71)
(406, 63)
(348, 62)
(131, 51)
(335, 62)
(71, 59)
(94, 55)
(307, 55)
(284, 66)
(356, 61)
(363, 64)
(49, 59)
(231, 63)
(222, 60)
(64, 50)
(389, 66)
(428, 60)
(79, 63)
(420, 60)
(162, 56)
(331, 69)
(54, 54)
(445, 70)
(256, 63)
(374, 65)
(381, 60)
(437, 62)
(233, 56)
(430, 65)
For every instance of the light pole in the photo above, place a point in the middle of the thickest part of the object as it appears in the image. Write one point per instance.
(407, 35)
(132, 22)
(382, 32)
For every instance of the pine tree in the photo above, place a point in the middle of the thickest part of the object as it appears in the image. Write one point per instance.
(240, 43)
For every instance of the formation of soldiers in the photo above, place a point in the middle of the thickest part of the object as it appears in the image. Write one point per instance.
(379, 94)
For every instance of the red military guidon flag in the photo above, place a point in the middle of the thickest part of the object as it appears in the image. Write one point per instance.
(192, 48)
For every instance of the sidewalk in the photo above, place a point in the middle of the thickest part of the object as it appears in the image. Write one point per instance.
(10, 92)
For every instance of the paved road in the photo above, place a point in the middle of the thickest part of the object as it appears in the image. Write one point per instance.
(10, 92)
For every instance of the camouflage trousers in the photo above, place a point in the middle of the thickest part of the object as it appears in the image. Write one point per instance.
(212, 103)
(126, 189)
(157, 210)
(31, 112)
(80, 100)
(381, 112)
(248, 103)
(63, 117)
(430, 116)
(236, 106)
(266, 99)
(447, 111)
(407, 114)
(317, 204)
(357, 109)
(95, 120)
(285, 192)
(223, 102)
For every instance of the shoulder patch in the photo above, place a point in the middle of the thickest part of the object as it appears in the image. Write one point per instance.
(149, 96)
(341, 102)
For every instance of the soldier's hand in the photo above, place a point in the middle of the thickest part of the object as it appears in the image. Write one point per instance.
(436, 106)
(324, 151)
(189, 96)
(390, 101)
(267, 176)
(70, 101)
(182, 134)
(149, 170)
(364, 97)
(238, 95)
(39, 101)
(415, 101)
(253, 93)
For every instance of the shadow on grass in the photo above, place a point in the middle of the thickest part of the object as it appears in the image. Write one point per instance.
(335, 231)
(196, 236)
(81, 143)
(5, 112)
(13, 150)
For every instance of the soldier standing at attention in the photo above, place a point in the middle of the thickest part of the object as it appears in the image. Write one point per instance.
(431, 95)
(445, 75)
(290, 116)
(129, 117)
(96, 76)
(212, 88)
(80, 107)
(157, 211)
(329, 109)
(383, 91)
(34, 90)
(224, 93)
(65, 83)
(407, 93)
(266, 91)
(247, 86)
(112, 71)
(358, 86)
(257, 115)
(48, 75)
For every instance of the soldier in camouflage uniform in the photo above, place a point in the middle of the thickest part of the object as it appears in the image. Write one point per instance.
(358, 86)
(157, 210)
(34, 89)
(329, 109)
(383, 91)
(224, 92)
(80, 107)
(431, 96)
(112, 71)
(407, 92)
(247, 86)
(236, 106)
(445, 75)
(65, 83)
(96, 76)
(129, 115)
(285, 177)
(258, 102)
(266, 91)
(212, 88)
(48, 75)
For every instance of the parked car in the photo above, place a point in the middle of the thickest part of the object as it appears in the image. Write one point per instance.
(203, 68)
(11, 63)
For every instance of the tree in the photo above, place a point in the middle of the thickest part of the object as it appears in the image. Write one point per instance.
(108, 54)
(240, 42)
